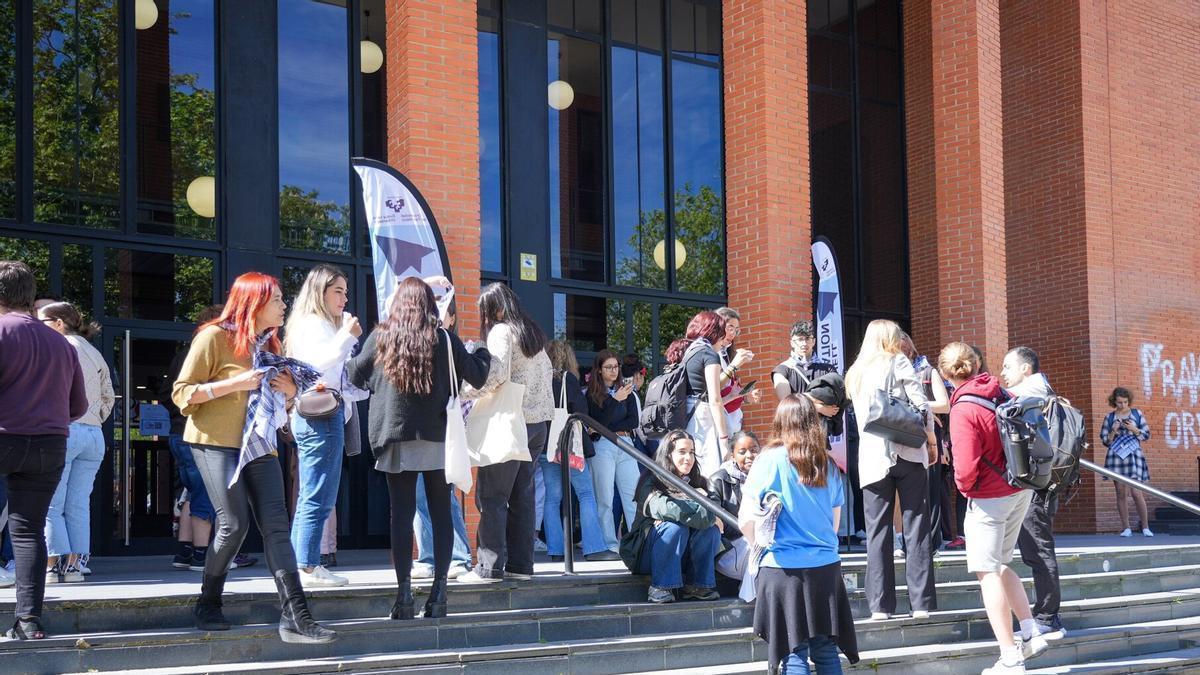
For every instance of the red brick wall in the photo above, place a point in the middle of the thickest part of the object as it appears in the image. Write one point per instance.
(767, 209)
(433, 133)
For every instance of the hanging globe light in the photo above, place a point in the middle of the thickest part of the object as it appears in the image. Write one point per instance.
(560, 95)
(370, 57)
(145, 14)
(202, 196)
(660, 254)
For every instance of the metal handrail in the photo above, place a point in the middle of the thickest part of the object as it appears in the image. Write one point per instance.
(564, 452)
(1144, 487)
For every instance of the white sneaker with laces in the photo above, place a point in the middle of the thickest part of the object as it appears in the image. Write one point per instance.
(920, 614)
(72, 576)
(1146, 532)
(457, 571)
(1002, 668)
(421, 571)
(539, 546)
(53, 577)
(1033, 647)
(320, 577)
(6, 578)
(517, 576)
(1126, 532)
(880, 616)
(473, 577)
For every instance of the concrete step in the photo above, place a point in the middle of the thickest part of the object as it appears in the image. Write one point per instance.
(1176, 661)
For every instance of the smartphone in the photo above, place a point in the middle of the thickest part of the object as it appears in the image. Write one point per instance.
(748, 388)
(627, 382)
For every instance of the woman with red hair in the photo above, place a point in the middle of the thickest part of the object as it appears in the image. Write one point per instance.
(706, 410)
(213, 391)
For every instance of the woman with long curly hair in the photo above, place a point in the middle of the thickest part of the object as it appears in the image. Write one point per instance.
(213, 391)
(406, 365)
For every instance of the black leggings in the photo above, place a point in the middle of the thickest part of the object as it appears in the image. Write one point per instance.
(402, 488)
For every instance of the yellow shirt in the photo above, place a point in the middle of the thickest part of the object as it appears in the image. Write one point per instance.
(219, 421)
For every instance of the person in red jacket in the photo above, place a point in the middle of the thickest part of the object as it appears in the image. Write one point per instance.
(995, 509)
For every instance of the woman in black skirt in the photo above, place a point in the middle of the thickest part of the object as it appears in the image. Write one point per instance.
(802, 610)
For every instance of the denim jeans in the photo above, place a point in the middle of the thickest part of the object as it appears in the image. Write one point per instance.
(319, 448)
(6, 552)
(200, 506)
(589, 518)
(823, 652)
(613, 469)
(32, 465)
(675, 555)
(461, 554)
(68, 522)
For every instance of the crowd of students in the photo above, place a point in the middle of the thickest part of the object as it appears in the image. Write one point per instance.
(253, 372)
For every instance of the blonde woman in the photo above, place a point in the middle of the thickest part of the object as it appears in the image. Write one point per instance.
(320, 333)
(887, 469)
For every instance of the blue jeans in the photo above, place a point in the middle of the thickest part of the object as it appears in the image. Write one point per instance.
(69, 520)
(319, 447)
(461, 553)
(675, 555)
(589, 518)
(613, 469)
(200, 506)
(824, 654)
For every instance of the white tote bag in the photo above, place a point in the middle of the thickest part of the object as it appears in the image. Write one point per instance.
(558, 425)
(496, 427)
(458, 453)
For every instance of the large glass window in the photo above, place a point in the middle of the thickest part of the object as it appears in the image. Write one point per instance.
(577, 157)
(76, 88)
(314, 126)
(856, 126)
(176, 140)
(32, 252)
(8, 110)
(491, 186)
(157, 286)
(699, 185)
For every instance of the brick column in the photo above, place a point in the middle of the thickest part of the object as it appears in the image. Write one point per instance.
(767, 180)
(965, 273)
(433, 134)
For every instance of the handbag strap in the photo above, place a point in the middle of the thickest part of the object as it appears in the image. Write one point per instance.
(450, 361)
(562, 391)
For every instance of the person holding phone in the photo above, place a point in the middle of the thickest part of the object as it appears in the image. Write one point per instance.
(732, 358)
(1122, 433)
(610, 404)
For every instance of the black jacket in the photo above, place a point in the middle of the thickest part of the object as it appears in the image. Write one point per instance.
(396, 416)
(728, 492)
(614, 414)
(576, 403)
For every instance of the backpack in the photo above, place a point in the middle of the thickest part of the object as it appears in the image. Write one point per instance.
(665, 406)
(1025, 438)
(1068, 438)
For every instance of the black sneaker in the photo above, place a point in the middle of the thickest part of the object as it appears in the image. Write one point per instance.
(699, 593)
(197, 563)
(181, 562)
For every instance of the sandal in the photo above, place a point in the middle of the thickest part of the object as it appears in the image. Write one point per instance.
(26, 629)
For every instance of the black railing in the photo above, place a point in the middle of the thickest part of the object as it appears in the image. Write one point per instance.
(568, 516)
(1144, 487)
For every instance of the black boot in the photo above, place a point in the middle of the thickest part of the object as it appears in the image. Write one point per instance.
(435, 606)
(403, 609)
(296, 625)
(208, 606)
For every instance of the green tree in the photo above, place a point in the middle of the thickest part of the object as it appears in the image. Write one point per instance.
(308, 223)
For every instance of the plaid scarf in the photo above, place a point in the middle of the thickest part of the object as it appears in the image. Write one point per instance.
(766, 515)
(266, 411)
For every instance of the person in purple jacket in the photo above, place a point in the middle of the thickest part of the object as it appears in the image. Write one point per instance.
(41, 393)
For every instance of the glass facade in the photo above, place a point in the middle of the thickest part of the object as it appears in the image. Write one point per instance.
(8, 110)
(491, 186)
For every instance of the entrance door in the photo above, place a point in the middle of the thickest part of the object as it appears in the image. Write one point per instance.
(133, 502)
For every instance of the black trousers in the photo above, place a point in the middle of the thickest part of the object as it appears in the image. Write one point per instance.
(402, 489)
(32, 466)
(505, 497)
(910, 481)
(258, 493)
(1036, 542)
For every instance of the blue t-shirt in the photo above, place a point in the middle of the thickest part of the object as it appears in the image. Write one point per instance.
(805, 535)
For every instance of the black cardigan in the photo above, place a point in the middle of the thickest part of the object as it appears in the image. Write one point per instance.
(396, 416)
(614, 414)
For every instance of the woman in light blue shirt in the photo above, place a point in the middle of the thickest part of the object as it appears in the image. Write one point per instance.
(802, 610)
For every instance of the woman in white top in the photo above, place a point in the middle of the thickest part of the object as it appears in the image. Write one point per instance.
(68, 523)
(887, 469)
(320, 333)
(505, 492)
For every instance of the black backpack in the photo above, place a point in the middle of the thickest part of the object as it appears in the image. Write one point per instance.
(665, 407)
(1068, 438)
(1025, 437)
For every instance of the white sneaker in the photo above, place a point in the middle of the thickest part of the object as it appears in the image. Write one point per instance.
(1146, 532)
(83, 564)
(1126, 532)
(457, 571)
(920, 614)
(1002, 668)
(421, 571)
(473, 577)
(72, 576)
(898, 545)
(320, 577)
(1033, 647)
(880, 616)
(52, 576)
(6, 578)
(517, 576)
(539, 546)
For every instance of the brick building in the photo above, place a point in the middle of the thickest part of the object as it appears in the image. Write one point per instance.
(1002, 172)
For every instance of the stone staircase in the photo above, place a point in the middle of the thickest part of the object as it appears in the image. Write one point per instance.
(1128, 610)
(1170, 519)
